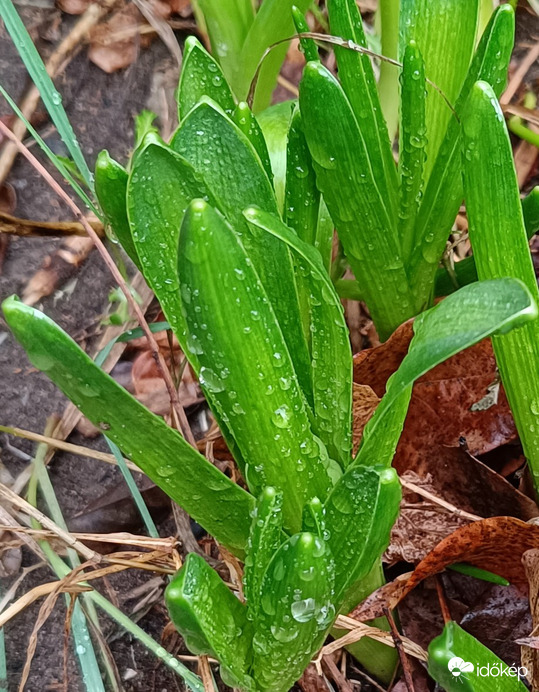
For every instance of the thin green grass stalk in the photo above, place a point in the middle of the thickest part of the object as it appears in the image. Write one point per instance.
(518, 128)
(3, 661)
(50, 96)
(133, 489)
(190, 678)
(55, 160)
(81, 636)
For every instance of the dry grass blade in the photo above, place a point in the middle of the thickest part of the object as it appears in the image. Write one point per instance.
(164, 545)
(358, 630)
(205, 673)
(438, 501)
(179, 414)
(34, 595)
(27, 509)
(79, 450)
(520, 73)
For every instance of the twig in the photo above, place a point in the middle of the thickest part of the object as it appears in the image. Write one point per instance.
(442, 600)
(520, 73)
(338, 677)
(438, 501)
(48, 229)
(204, 671)
(69, 45)
(66, 446)
(400, 650)
(180, 419)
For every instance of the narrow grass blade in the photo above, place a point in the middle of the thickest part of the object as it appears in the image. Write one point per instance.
(357, 78)
(201, 76)
(193, 681)
(212, 499)
(211, 619)
(359, 514)
(84, 649)
(258, 395)
(388, 83)
(412, 144)
(264, 540)
(461, 320)
(53, 158)
(296, 611)
(111, 190)
(443, 193)
(133, 489)
(331, 365)
(500, 247)
(51, 98)
(231, 169)
(308, 46)
(354, 199)
(273, 23)
(465, 272)
(456, 660)
(445, 33)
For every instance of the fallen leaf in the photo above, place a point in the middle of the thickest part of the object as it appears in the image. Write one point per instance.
(495, 544)
(364, 405)
(530, 645)
(115, 44)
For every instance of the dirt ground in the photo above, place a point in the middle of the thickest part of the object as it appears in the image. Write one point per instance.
(101, 108)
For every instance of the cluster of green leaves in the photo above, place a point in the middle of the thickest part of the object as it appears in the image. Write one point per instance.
(240, 36)
(228, 223)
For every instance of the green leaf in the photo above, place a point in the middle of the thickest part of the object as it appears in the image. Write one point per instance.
(111, 190)
(302, 199)
(500, 247)
(258, 394)
(272, 23)
(228, 22)
(308, 46)
(296, 612)
(248, 124)
(264, 540)
(160, 187)
(360, 512)
(464, 271)
(201, 76)
(412, 143)
(275, 123)
(313, 520)
(453, 649)
(461, 320)
(232, 170)
(354, 199)
(210, 618)
(331, 364)
(443, 193)
(211, 498)
(357, 79)
(445, 33)
(50, 96)
(144, 125)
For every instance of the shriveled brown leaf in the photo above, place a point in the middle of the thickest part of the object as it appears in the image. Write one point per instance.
(115, 44)
(495, 544)
(530, 645)
(440, 408)
(364, 405)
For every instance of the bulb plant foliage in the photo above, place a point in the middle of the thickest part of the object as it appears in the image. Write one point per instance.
(231, 223)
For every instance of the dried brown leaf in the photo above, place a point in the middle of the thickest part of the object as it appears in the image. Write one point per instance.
(496, 544)
(530, 646)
